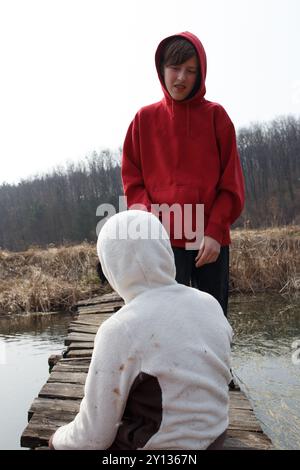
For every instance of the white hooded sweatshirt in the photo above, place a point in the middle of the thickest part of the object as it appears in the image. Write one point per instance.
(160, 369)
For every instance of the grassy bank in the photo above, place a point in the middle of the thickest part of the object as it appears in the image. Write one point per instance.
(47, 279)
(57, 277)
(265, 260)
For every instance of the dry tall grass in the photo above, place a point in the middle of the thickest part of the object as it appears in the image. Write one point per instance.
(57, 277)
(265, 260)
(47, 279)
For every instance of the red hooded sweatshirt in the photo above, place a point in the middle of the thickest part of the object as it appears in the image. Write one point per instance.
(185, 152)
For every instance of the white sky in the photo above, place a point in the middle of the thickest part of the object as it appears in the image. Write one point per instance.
(74, 72)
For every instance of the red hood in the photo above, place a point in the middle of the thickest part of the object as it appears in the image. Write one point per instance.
(185, 152)
(202, 61)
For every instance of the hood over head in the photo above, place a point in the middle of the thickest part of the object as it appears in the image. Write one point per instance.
(135, 253)
(198, 96)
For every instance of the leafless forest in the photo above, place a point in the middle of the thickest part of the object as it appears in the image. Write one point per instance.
(60, 208)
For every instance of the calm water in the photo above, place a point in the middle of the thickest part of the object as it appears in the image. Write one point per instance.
(265, 328)
(26, 342)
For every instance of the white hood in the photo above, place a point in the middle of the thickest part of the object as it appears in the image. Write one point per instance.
(135, 253)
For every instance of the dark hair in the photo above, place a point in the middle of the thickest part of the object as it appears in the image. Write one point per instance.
(177, 51)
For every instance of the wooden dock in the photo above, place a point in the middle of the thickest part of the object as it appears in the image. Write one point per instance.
(59, 399)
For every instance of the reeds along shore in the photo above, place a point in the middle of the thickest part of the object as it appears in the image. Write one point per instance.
(55, 278)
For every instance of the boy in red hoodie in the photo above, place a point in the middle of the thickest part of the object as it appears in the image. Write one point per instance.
(183, 150)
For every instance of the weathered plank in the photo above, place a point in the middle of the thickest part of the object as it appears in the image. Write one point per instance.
(112, 304)
(68, 367)
(74, 361)
(243, 420)
(47, 405)
(77, 328)
(111, 297)
(79, 353)
(68, 377)
(239, 401)
(100, 308)
(79, 338)
(62, 390)
(97, 319)
(92, 301)
(246, 440)
(41, 428)
(76, 346)
(237, 397)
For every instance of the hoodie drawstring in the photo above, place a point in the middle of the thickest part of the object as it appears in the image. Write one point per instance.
(187, 114)
(188, 119)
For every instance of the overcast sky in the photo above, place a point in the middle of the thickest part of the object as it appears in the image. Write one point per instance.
(74, 72)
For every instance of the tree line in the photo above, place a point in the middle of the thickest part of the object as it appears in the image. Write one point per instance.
(60, 207)
(270, 156)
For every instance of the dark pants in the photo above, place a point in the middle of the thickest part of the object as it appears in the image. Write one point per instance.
(212, 278)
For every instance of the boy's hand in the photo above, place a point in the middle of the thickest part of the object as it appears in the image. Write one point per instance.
(208, 252)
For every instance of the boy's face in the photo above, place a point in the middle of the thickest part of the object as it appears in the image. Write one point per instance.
(180, 79)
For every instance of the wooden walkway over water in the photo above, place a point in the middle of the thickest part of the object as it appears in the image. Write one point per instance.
(59, 399)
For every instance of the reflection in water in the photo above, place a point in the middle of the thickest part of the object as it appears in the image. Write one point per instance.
(39, 325)
(265, 328)
(28, 340)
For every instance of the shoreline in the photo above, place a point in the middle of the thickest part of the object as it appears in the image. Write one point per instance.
(56, 278)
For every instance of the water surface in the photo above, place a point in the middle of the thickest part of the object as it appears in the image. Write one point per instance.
(265, 329)
(26, 342)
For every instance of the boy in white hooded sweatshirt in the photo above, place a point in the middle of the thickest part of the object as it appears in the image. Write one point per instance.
(160, 369)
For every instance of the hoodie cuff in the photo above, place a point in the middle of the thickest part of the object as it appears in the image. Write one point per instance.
(215, 231)
(56, 441)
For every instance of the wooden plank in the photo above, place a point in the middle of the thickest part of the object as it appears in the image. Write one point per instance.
(96, 309)
(70, 368)
(68, 377)
(56, 414)
(239, 401)
(99, 309)
(101, 299)
(62, 391)
(243, 420)
(74, 361)
(47, 405)
(79, 338)
(112, 305)
(77, 346)
(111, 297)
(245, 440)
(77, 328)
(92, 301)
(40, 429)
(79, 353)
(92, 319)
